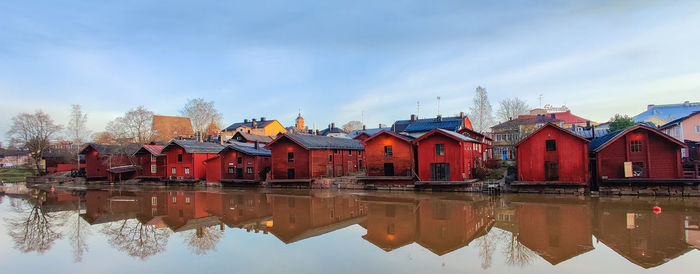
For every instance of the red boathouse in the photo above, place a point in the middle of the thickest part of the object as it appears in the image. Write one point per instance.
(445, 156)
(552, 154)
(111, 162)
(636, 154)
(185, 158)
(239, 163)
(303, 157)
(152, 162)
(389, 155)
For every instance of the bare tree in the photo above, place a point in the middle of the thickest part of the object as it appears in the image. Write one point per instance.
(352, 125)
(201, 113)
(134, 126)
(77, 230)
(203, 239)
(511, 108)
(480, 113)
(34, 133)
(77, 129)
(32, 228)
(104, 138)
(136, 239)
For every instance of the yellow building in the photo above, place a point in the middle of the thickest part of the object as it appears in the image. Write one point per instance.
(263, 127)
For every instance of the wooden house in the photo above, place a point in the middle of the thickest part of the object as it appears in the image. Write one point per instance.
(185, 158)
(390, 155)
(445, 156)
(245, 137)
(263, 127)
(416, 127)
(485, 147)
(239, 163)
(110, 162)
(301, 157)
(552, 154)
(636, 154)
(152, 162)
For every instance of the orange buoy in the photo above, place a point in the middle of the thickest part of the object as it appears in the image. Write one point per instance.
(52, 189)
(656, 210)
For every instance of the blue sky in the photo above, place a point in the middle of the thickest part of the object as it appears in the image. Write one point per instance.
(334, 60)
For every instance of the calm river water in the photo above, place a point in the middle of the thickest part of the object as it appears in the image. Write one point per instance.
(186, 230)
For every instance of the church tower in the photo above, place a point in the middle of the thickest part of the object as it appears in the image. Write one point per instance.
(300, 127)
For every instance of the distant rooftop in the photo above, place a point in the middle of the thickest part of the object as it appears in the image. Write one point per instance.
(662, 114)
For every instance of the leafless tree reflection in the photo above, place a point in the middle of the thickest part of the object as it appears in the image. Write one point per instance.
(203, 239)
(136, 239)
(32, 228)
(516, 254)
(77, 230)
(487, 245)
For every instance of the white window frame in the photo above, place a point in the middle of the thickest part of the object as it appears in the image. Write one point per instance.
(187, 171)
(154, 168)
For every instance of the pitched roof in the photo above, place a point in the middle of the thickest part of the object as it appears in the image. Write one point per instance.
(369, 131)
(249, 124)
(168, 127)
(598, 144)
(112, 149)
(407, 138)
(321, 142)
(588, 133)
(249, 150)
(152, 149)
(327, 131)
(555, 127)
(679, 120)
(253, 137)
(430, 125)
(565, 116)
(16, 152)
(668, 112)
(454, 135)
(401, 125)
(539, 119)
(192, 146)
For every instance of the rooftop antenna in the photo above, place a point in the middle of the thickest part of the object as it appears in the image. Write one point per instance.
(362, 119)
(417, 108)
(438, 99)
(540, 98)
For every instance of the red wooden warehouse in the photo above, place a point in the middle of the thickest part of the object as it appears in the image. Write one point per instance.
(445, 156)
(239, 163)
(485, 147)
(108, 161)
(639, 153)
(152, 162)
(390, 154)
(185, 158)
(553, 154)
(302, 157)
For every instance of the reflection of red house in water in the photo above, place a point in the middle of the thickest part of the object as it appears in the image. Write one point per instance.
(445, 226)
(555, 231)
(247, 210)
(192, 210)
(645, 239)
(300, 217)
(391, 224)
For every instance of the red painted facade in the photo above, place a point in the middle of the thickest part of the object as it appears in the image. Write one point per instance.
(657, 155)
(236, 165)
(152, 163)
(399, 161)
(213, 169)
(485, 148)
(457, 156)
(565, 161)
(311, 163)
(97, 165)
(189, 167)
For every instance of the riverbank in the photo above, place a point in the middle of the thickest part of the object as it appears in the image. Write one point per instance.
(15, 175)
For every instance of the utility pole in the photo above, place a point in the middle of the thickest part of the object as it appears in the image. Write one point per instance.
(362, 117)
(540, 98)
(417, 108)
(438, 101)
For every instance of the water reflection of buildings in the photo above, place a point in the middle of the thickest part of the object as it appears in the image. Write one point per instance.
(556, 229)
(631, 229)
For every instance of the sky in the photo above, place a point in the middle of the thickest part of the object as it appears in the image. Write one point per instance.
(338, 61)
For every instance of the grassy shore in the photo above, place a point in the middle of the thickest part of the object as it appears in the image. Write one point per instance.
(15, 175)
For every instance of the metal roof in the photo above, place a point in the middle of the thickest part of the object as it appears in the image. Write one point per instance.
(451, 124)
(324, 142)
(400, 125)
(250, 150)
(679, 120)
(113, 149)
(258, 124)
(253, 137)
(369, 131)
(192, 146)
(668, 112)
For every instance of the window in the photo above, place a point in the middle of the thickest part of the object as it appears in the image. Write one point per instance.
(360, 164)
(390, 230)
(349, 152)
(440, 172)
(637, 169)
(388, 151)
(290, 157)
(154, 169)
(174, 199)
(335, 151)
(330, 157)
(187, 200)
(187, 170)
(231, 170)
(249, 170)
(359, 153)
(439, 149)
(636, 146)
(551, 145)
(174, 171)
(239, 160)
(153, 158)
(697, 129)
(154, 200)
(179, 157)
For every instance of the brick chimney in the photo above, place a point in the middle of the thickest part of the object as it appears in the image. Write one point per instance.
(263, 119)
(255, 123)
(332, 125)
(438, 118)
(650, 106)
(246, 121)
(414, 117)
